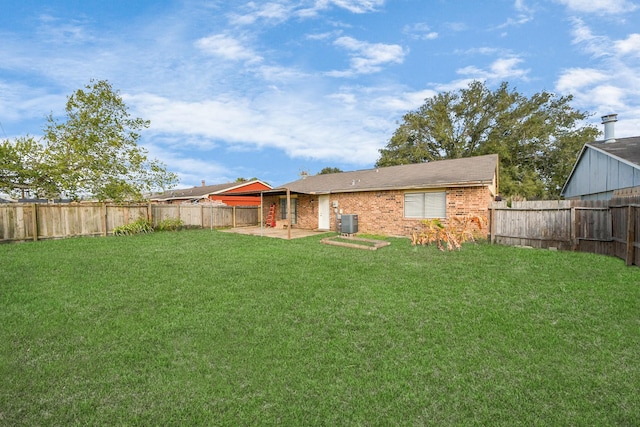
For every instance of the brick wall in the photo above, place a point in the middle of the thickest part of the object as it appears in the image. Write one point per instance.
(382, 212)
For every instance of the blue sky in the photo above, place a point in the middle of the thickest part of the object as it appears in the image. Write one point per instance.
(269, 89)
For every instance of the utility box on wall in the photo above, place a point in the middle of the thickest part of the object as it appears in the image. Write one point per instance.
(349, 224)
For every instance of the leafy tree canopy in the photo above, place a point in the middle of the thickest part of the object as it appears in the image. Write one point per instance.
(22, 168)
(93, 152)
(329, 170)
(536, 138)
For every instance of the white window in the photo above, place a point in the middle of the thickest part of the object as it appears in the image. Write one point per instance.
(425, 205)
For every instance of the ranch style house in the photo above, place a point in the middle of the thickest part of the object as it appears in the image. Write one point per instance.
(389, 201)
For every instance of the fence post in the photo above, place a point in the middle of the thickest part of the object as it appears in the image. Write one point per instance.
(234, 216)
(631, 235)
(572, 232)
(492, 224)
(105, 232)
(34, 221)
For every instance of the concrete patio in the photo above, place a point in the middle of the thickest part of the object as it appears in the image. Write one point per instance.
(277, 232)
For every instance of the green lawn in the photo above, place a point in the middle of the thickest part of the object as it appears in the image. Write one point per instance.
(209, 328)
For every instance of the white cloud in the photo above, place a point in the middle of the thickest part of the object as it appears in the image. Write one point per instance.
(275, 12)
(227, 47)
(20, 102)
(291, 122)
(612, 83)
(521, 6)
(58, 31)
(506, 68)
(629, 46)
(271, 12)
(323, 36)
(455, 85)
(608, 96)
(501, 69)
(524, 15)
(406, 101)
(368, 57)
(574, 79)
(355, 6)
(420, 31)
(593, 44)
(601, 7)
(481, 51)
(190, 169)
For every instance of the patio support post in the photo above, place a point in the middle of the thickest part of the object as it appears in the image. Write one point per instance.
(260, 213)
(289, 214)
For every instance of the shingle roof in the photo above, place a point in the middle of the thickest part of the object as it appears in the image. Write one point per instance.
(466, 171)
(625, 149)
(198, 192)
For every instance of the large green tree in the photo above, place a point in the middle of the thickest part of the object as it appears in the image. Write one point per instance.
(537, 138)
(329, 170)
(94, 150)
(23, 171)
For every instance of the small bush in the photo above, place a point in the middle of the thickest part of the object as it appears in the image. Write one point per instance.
(139, 226)
(448, 237)
(170, 224)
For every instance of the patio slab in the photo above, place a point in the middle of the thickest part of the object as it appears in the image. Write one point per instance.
(279, 233)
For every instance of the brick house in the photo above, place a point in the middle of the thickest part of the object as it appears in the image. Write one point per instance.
(392, 200)
(230, 194)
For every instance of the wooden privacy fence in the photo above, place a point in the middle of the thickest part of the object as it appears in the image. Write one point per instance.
(207, 216)
(34, 221)
(605, 227)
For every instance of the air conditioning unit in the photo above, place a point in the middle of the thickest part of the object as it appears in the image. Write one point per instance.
(349, 224)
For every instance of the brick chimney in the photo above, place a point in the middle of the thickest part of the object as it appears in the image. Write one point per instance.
(203, 182)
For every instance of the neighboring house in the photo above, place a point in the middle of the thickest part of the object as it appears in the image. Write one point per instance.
(391, 200)
(604, 166)
(230, 194)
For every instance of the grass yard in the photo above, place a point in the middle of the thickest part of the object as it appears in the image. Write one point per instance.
(208, 328)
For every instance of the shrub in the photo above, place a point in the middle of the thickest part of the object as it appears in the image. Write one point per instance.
(139, 226)
(451, 236)
(170, 224)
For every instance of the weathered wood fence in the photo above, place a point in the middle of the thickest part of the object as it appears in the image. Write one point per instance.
(35, 221)
(608, 227)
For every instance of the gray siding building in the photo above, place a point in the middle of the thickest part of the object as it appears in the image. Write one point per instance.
(603, 167)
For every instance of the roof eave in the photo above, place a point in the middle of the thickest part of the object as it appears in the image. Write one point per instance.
(480, 183)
